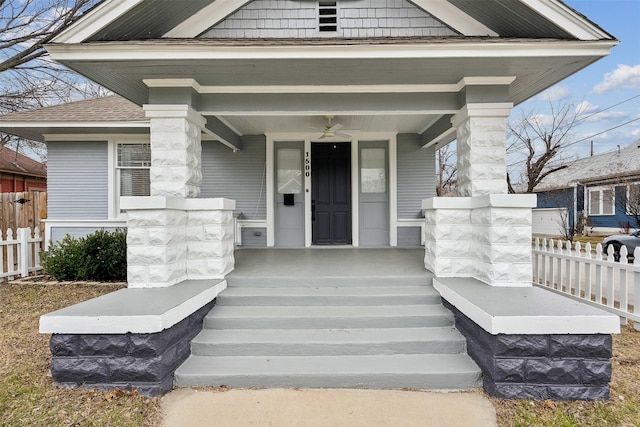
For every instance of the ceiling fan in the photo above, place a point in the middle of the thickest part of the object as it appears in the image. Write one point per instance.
(332, 130)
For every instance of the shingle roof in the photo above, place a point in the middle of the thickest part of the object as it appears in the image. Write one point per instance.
(13, 162)
(602, 167)
(107, 109)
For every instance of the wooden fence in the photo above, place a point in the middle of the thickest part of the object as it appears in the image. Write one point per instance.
(23, 210)
(590, 275)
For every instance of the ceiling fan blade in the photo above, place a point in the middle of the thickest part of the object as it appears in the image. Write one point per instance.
(335, 127)
(343, 135)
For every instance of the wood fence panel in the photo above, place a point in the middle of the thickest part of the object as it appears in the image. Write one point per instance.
(14, 215)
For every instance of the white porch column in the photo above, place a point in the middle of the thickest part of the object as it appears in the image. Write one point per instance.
(175, 150)
(486, 233)
(481, 135)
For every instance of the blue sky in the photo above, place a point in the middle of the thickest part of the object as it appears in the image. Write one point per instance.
(605, 83)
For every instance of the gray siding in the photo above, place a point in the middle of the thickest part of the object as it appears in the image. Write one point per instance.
(299, 19)
(416, 175)
(58, 233)
(77, 183)
(409, 237)
(239, 176)
(254, 237)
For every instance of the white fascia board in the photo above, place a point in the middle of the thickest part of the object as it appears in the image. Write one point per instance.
(470, 49)
(364, 88)
(37, 125)
(205, 19)
(567, 19)
(119, 137)
(95, 20)
(455, 18)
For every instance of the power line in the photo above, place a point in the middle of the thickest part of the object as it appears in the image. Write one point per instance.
(604, 131)
(608, 108)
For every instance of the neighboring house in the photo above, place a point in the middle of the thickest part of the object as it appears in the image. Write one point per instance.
(20, 173)
(314, 123)
(594, 190)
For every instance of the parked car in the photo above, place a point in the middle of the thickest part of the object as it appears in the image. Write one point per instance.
(631, 241)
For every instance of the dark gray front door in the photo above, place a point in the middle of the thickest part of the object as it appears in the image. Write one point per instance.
(331, 193)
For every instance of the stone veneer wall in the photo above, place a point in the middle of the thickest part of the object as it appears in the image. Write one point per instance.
(484, 237)
(519, 366)
(144, 362)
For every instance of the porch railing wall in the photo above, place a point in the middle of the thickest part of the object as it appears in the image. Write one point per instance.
(589, 275)
(20, 252)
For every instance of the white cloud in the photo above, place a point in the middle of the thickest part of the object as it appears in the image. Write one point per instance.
(555, 93)
(585, 107)
(635, 132)
(623, 77)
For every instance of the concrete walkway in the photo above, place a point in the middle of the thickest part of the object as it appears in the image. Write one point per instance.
(325, 408)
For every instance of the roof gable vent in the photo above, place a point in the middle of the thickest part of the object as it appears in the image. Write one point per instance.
(327, 16)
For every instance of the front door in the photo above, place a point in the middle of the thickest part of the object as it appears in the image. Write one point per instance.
(331, 193)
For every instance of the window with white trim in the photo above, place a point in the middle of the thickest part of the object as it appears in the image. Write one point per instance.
(327, 16)
(602, 201)
(132, 168)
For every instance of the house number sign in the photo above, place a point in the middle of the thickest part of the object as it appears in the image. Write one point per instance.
(307, 164)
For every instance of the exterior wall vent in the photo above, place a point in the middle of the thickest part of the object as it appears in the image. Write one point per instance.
(327, 16)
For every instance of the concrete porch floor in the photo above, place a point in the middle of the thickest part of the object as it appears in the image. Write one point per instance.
(329, 262)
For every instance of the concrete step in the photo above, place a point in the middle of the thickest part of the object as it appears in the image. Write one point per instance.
(279, 282)
(325, 295)
(423, 371)
(327, 317)
(327, 342)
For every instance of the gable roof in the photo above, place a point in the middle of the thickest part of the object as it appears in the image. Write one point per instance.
(603, 168)
(107, 115)
(114, 20)
(16, 163)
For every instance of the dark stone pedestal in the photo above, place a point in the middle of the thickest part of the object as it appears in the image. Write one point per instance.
(145, 362)
(559, 367)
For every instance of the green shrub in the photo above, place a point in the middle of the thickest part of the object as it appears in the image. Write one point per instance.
(100, 256)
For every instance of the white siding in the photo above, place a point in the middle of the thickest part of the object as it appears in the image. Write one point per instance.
(77, 180)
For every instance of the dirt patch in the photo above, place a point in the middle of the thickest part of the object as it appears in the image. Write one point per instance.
(28, 396)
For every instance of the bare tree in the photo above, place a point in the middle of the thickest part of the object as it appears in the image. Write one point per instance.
(28, 78)
(447, 170)
(537, 143)
(630, 204)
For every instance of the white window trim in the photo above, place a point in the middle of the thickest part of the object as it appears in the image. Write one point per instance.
(114, 173)
(601, 191)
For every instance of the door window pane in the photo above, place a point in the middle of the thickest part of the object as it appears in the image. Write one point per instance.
(289, 171)
(373, 170)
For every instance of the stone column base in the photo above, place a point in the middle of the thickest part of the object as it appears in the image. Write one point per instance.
(172, 239)
(487, 238)
(539, 367)
(144, 362)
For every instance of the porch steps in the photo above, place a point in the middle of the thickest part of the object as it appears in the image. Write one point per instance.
(329, 332)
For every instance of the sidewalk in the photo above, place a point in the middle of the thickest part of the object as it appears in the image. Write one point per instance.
(325, 407)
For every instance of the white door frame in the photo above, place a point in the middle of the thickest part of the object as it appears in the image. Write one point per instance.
(271, 138)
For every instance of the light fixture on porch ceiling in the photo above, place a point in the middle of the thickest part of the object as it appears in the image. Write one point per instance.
(332, 130)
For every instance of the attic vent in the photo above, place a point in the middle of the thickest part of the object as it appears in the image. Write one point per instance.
(327, 16)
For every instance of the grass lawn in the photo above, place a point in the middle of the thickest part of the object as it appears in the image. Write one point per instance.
(28, 396)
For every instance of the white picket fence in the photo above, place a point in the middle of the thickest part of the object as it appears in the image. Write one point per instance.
(590, 275)
(20, 254)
